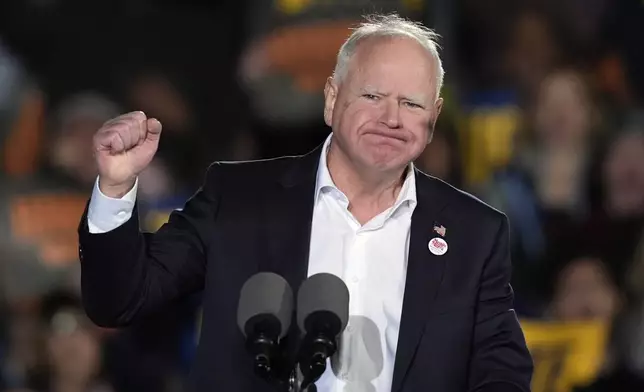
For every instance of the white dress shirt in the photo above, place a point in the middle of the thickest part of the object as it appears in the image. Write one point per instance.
(371, 259)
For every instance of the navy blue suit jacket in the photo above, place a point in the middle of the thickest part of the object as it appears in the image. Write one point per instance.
(458, 330)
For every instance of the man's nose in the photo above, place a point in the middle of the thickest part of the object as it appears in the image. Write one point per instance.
(391, 114)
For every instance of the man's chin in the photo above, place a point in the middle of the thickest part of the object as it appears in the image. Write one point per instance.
(385, 164)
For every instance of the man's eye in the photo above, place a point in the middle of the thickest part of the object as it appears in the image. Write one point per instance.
(370, 96)
(412, 105)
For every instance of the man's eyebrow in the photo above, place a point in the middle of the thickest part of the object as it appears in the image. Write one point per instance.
(369, 89)
(416, 98)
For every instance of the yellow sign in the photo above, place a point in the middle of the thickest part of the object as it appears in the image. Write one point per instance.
(565, 355)
(415, 5)
(291, 7)
(294, 7)
(489, 135)
(155, 219)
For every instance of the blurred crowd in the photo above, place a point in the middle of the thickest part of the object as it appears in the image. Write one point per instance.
(543, 119)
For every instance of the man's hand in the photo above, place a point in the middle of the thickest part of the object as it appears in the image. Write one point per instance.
(123, 147)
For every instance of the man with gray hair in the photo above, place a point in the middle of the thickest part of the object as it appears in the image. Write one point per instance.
(427, 266)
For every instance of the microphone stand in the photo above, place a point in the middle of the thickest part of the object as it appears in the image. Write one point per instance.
(295, 382)
(317, 349)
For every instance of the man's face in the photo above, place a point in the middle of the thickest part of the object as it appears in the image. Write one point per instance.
(585, 292)
(383, 111)
(73, 347)
(69, 150)
(563, 114)
(624, 175)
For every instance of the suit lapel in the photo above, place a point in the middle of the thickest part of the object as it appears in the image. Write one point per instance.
(424, 275)
(290, 213)
(287, 233)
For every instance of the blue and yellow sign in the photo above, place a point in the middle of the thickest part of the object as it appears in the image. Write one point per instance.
(565, 355)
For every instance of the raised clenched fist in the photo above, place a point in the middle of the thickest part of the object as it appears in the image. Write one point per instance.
(123, 147)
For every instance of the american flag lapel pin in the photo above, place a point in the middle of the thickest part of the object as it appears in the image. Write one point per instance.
(440, 229)
(438, 245)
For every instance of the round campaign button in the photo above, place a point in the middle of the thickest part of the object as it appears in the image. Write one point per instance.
(437, 246)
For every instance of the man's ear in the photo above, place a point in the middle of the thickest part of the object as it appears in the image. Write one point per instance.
(330, 96)
(438, 105)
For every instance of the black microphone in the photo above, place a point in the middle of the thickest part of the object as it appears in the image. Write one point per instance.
(264, 315)
(322, 315)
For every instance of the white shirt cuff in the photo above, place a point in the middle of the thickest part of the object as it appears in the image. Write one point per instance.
(105, 214)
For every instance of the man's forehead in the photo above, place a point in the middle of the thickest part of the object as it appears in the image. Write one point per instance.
(371, 70)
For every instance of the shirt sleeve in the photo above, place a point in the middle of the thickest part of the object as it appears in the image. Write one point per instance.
(105, 213)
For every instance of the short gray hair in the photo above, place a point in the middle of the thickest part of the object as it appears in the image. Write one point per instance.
(390, 25)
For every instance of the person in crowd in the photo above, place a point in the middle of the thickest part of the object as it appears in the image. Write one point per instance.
(73, 347)
(544, 189)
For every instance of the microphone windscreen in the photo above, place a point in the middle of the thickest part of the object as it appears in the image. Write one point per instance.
(322, 292)
(265, 294)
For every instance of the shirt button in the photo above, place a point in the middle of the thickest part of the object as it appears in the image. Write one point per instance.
(344, 376)
(121, 214)
(355, 279)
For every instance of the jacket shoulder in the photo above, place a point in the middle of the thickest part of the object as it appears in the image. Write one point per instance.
(466, 203)
(249, 172)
